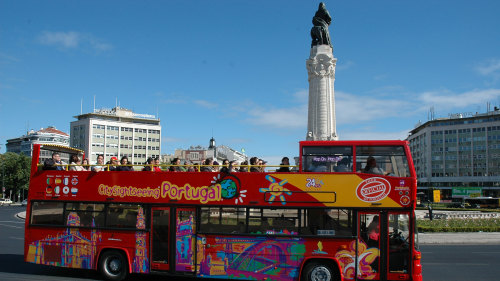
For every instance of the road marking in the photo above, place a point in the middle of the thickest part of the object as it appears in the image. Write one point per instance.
(13, 226)
(17, 238)
(13, 221)
(485, 252)
(460, 264)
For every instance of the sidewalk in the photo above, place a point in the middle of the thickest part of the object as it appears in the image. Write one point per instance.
(459, 238)
(21, 215)
(434, 237)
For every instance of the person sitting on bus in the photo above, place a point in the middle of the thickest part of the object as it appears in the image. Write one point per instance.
(75, 162)
(112, 164)
(284, 166)
(373, 232)
(243, 166)
(262, 165)
(371, 167)
(157, 167)
(254, 162)
(343, 165)
(85, 164)
(175, 165)
(49, 164)
(57, 161)
(100, 161)
(225, 166)
(233, 166)
(148, 163)
(207, 168)
(215, 166)
(124, 165)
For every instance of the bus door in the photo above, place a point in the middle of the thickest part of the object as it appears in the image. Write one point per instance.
(160, 229)
(399, 245)
(185, 240)
(369, 245)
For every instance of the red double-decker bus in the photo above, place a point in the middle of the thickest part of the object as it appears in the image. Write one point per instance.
(347, 213)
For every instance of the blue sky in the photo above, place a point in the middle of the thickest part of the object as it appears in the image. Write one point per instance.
(236, 69)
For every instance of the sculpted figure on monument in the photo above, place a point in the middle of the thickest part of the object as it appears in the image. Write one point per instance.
(321, 21)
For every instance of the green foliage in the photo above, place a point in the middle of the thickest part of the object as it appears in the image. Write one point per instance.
(459, 225)
(14, 172)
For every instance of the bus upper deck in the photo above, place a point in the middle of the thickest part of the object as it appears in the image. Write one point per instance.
(334, 174)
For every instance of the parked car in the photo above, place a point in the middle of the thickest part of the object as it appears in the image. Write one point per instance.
(25, 202)
(5, 201)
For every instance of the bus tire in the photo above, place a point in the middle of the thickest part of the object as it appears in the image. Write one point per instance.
(319, 271)
(113, 265)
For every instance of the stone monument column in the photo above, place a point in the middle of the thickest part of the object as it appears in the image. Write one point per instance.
(321, 124)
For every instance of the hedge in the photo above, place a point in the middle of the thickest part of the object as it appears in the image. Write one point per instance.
(459, 225)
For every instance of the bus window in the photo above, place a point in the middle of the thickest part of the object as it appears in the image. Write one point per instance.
(399, 243)
(327, 159)
(90, 215)
(122, 215)
(327, 222)
(382, 160)
(47, 213)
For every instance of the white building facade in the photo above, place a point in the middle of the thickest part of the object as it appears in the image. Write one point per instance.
(49, 135)
(458, 152)
(117, 132)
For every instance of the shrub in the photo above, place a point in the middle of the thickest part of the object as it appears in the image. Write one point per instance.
(459, 225)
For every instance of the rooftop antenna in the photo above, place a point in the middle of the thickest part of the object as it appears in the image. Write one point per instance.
(94, 103)
(81, 106)
(116, 102)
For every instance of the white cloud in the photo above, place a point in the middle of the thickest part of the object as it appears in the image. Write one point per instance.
(72, 40)
(282, 118)
(344, 65)
(205, 104)
(370, 135)
(446, 100)
(490, 67)
(358, 109)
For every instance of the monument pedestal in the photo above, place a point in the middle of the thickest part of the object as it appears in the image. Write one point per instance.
(321, 124)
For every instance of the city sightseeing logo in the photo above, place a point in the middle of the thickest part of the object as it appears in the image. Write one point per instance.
(373, 189)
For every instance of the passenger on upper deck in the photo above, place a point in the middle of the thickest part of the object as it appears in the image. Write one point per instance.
(57, 161)
(371, 167)
(215, 167)
(157, 167)
(113, 164)
(124, 165)
(148, 163)
(100, 161)
(262, 164)
(74, 160)
(85, 164)
(243, 166)
(208, 161)
(285, 162)
(343, 165)
(254, 162)
(175, 165)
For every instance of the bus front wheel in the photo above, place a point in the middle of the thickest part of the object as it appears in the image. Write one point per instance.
(113, 265)
(319, 271)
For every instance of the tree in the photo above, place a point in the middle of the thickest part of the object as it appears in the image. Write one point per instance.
(15, 173)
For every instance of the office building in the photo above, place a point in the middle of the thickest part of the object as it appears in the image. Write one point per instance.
(458, 153)
(49, 135)
(117, 132)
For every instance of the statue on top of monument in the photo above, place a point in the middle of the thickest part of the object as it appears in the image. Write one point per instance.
(321, 21)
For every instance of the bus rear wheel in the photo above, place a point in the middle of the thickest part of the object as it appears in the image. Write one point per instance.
(113, 265)
(319, 271)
